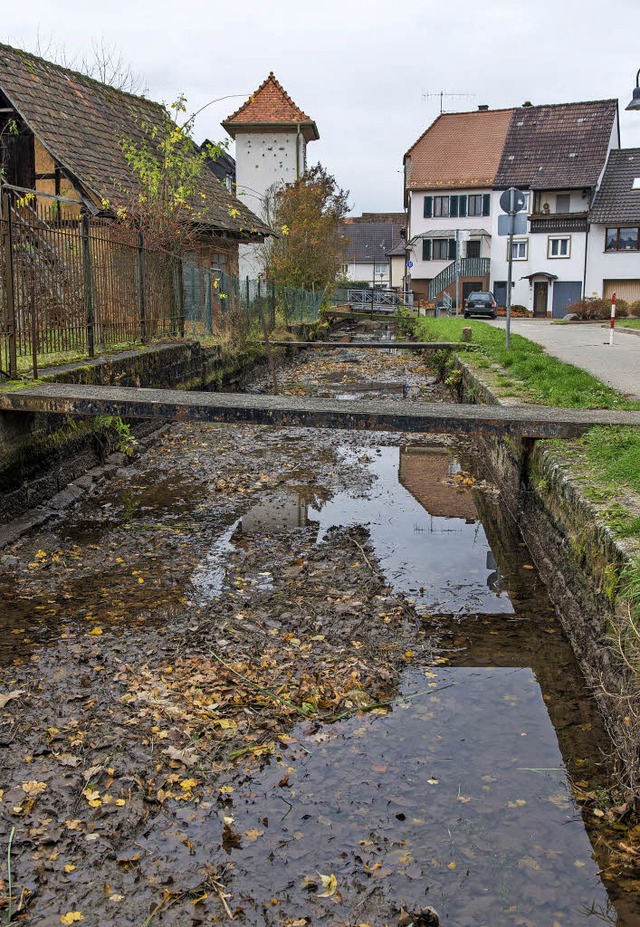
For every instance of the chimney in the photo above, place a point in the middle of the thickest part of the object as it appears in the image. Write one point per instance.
(527, 103)
(483, 107)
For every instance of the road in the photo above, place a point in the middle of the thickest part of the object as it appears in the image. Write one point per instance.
(587, 346)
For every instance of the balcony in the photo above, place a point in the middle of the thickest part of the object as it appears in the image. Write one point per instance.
(558, 222)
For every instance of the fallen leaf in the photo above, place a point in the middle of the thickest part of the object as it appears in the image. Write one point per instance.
(33, 788)
(187, 784)
(71, 917)
(330, 886)
(10, 696)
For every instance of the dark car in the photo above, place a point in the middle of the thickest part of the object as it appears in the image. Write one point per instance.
(480, 303)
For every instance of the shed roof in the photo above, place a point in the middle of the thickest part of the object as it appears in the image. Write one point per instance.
(618, 198)
(369, 242)
(82, 123)
(458, 150)
(270, 105)
(558, 146)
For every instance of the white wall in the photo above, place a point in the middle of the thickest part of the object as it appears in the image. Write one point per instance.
(608, 265)
(266, 158)
(427, 270)
(356, 271)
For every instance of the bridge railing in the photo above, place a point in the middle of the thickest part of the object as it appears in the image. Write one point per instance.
(468, 267)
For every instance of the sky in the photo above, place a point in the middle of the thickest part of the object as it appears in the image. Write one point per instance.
(369, 73)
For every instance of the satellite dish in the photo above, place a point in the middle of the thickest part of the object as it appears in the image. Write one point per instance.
(512, 200)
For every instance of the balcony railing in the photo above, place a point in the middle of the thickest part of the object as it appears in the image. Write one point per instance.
(558, 222)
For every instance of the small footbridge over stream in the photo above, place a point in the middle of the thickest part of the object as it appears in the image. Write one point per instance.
(530, 422)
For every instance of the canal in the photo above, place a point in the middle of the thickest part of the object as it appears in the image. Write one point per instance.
(289, 677)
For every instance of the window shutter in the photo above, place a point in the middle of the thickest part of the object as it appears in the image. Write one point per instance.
(428, 207)
(426, 249)
(486, 204)
(463, 206)
(452, 249)
(453, 206)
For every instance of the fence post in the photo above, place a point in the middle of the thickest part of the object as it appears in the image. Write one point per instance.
(8, 268)
(180, 276)
(141, 284)
(247, 292)
(272, 302)
(88, 283)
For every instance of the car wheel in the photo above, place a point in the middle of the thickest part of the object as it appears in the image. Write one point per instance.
(466, 315)
(494, 315)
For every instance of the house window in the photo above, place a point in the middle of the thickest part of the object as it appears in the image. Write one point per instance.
(559, 247)
(441, 206)
(519, 249)
(622, 240)
(444, 249)
(479, 204)
(473, 248)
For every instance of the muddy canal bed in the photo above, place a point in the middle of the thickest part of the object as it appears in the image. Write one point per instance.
(288, 677)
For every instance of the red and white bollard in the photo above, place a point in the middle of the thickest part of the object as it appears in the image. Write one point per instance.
(613, 317)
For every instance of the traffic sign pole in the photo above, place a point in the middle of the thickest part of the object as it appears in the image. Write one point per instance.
(613, 318)
(512, 213)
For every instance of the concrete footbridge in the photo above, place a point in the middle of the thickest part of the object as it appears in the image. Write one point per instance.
(531, 422)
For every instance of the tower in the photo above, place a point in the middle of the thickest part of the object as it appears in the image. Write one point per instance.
(271, 134)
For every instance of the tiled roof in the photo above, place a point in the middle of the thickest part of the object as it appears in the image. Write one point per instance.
(562, 146)
(458, 150)
(616, 201)
(271, 105)
(82, 124)
(368, 243)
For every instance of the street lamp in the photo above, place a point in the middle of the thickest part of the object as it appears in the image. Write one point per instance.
(635, 99)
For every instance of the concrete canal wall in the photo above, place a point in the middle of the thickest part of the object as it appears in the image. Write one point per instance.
(41, 454)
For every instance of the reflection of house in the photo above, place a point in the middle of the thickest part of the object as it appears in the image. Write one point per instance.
(64, 133)
(427, 474)
(368, 241)
(277, 515)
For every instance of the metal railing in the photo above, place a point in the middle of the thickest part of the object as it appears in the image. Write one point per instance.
(468, 267)
(72, 284)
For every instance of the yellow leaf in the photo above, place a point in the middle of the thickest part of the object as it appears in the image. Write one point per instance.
(41, 554)
(226, 789)
(330, 886)
(33, 788)
(140, 579)
(187, 784)
(95, 632)
(120, 802)
(451, 865)
(69, 868)
(71, 917)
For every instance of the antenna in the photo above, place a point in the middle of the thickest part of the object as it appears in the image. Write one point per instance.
(441, 94)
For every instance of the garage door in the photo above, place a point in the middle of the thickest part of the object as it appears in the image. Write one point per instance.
(564, 292)
(624, 289)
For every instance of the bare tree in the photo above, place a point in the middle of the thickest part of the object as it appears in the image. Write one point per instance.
(103, 62)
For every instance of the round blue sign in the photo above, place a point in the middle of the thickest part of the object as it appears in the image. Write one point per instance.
(409, 263)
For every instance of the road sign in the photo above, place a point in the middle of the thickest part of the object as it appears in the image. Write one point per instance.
(519, 224)
(519, 199)
(409, 263)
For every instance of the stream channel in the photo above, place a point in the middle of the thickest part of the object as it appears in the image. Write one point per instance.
(386, 570)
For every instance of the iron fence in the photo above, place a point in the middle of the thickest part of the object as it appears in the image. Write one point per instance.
(73, 284)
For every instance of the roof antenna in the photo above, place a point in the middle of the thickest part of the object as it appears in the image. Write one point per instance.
(441, 94)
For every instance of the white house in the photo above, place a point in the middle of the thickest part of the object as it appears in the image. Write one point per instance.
(455, 174)
(369, 239)
(271, 134)
(613, 264)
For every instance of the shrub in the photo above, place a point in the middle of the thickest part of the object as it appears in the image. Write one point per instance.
(590, 309)
(634, 309)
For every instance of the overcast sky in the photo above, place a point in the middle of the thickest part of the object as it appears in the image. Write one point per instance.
(369, 73)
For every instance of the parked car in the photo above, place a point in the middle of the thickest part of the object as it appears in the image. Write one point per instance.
(480, 303)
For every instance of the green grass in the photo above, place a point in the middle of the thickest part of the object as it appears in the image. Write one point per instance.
(628, 323)
(533, 375)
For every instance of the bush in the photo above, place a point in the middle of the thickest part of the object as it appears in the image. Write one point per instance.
(634, 309)
(590, 309)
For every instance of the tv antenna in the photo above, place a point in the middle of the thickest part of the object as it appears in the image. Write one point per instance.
(441, 95)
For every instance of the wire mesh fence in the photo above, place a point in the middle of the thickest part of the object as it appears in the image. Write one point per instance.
(73, 284)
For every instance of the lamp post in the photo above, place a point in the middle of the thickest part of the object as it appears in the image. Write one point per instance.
(635, 99)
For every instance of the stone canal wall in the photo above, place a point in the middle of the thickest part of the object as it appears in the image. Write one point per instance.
(576, 555)
(41, 454)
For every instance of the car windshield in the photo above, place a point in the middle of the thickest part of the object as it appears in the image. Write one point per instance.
(480, 297)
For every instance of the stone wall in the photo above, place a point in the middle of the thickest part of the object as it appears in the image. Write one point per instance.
(41, 454)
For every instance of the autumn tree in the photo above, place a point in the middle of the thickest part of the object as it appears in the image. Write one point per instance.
(308, 216)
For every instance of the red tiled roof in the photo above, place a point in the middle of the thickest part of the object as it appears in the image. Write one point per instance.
(271, 105)
(458, 150)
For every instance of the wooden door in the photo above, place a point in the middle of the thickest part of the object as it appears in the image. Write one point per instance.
(540, 298)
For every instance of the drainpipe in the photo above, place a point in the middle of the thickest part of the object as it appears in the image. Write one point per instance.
(297, 151)
(586, 250)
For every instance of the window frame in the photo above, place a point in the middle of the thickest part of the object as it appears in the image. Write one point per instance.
(520, 241)
(446, 243)
(477, 199)
(618, 249)
(558, 257)
(438, 204)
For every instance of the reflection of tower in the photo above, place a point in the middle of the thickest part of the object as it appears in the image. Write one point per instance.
(271, 134)
(495, 580)
(426, 473)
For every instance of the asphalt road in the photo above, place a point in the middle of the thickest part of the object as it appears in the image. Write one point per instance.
(587, 346)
